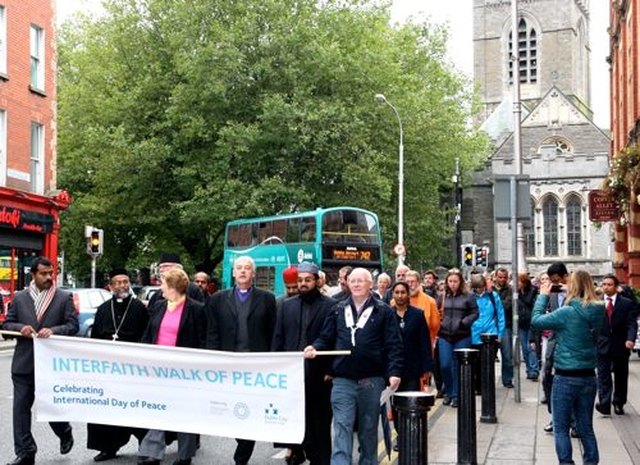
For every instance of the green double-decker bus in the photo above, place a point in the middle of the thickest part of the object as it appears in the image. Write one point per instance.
(329, 237)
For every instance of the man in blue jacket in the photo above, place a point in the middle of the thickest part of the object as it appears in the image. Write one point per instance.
(368, 328)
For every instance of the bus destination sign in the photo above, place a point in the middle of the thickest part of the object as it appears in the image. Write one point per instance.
(350, 253)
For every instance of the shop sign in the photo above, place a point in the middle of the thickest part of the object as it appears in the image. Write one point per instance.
(16, 218)
(603, 206)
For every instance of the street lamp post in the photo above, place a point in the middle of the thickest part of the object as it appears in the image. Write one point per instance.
(380, 98)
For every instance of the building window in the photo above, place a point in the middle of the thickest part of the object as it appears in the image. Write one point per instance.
(3, 40)
(527, 53)
(530, 232)
(37, 57)
(37, 158)
(550, 225)
(556, 145)
(574, 226)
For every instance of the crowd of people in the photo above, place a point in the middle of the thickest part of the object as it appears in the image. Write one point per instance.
(400, 334)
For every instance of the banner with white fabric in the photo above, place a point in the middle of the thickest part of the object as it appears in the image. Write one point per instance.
(256, 396)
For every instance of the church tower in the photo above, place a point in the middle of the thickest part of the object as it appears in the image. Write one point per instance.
(553, 50)
(562, 151)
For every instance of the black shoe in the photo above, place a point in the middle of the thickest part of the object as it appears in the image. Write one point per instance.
(548, 428)
(182, 462)
(603, 409)
(544, 401)
(296, 458)
(574, 433)
(454, 403)
(66, 441)
(618, 410)
(446, 400)
(532, 377)
(509, 385)
(148, 461)
(105, 455)
(23, 460)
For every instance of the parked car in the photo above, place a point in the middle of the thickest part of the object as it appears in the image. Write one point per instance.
(87, 301)
(145, 294)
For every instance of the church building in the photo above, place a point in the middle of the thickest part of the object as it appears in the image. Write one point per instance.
(563, 152)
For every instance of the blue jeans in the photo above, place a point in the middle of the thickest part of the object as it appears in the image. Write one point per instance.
(449, 364)
(348, 399)
(506, 357)
(574, 395)
(528, 354)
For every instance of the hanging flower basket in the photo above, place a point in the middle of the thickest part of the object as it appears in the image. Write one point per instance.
(624, 178)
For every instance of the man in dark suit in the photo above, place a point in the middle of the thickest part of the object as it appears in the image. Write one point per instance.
(171, 261)
(300, 321)
(241, 319)
(37, 311)
(617, 338)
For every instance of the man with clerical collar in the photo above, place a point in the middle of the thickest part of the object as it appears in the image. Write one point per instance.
(241, 319)
(39, 311)
(300, 320)
(121, 318)
(367, 327)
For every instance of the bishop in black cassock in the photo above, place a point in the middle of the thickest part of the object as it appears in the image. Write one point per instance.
(122, 318)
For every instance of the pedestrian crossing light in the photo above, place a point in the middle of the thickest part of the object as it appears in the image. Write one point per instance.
(469, 255)
(94, 247)
(482, 256)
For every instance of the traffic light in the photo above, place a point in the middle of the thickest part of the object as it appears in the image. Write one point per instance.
(94, 246)
(469, 255)
(482, 256)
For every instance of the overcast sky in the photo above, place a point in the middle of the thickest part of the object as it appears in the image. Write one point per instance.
(458, 15)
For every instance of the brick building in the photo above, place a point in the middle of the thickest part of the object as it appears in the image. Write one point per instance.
(624, 30)
(564, 153)
(29, 201)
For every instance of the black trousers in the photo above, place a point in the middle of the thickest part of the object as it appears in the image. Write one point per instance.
(23, 397)
(244, 450)
(613, 392)
(318, 416)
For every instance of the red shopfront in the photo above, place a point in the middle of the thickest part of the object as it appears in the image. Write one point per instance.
(29, 227)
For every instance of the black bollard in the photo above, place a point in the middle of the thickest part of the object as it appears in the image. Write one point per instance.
(467, 446)
(488, 378)
(412, 408)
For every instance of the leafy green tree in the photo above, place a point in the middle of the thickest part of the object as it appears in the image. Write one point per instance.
(176, 116)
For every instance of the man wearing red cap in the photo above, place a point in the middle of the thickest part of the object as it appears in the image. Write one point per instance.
(290, 278)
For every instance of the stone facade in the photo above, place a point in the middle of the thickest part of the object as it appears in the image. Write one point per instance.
(563, 152)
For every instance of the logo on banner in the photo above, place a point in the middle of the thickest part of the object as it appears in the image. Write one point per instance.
(241, 411)
(272, 416)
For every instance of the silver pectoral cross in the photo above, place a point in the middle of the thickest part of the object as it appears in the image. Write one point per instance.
(115, 336)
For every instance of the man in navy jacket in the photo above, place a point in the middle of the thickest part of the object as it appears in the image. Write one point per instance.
(368, 328)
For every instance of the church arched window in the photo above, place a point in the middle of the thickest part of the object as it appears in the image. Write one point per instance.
(550, 226)
(574, 226)
(527, 53)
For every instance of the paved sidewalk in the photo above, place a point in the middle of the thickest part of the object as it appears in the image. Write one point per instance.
(518, 436)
